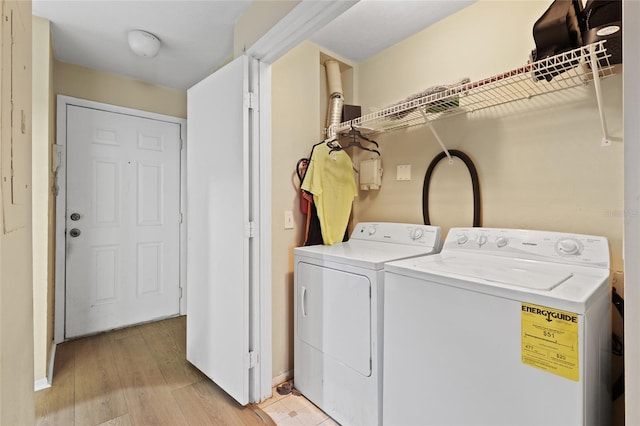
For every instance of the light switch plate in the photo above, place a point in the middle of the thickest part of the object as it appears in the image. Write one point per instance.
(288, 219)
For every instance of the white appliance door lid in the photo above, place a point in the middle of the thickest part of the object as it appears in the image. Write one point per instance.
(370, 255)
(512, 272)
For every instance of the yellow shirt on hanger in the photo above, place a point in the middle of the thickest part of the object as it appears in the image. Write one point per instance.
(330, 179)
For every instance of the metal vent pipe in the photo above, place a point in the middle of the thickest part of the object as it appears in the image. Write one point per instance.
(336, 99)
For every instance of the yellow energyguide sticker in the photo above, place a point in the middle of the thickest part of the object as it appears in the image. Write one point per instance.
(550, 340)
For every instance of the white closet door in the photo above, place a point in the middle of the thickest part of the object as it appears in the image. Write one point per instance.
(122, 220)
(218, 264)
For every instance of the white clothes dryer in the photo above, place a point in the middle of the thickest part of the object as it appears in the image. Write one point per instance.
(503, 327)
(338, 308)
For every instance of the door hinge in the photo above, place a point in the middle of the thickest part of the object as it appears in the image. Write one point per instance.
(250, 100)
(181, 218)
(251, 359)
(180, 292)
(181, 145)
(250, 230)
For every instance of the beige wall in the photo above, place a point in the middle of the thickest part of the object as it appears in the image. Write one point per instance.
(257, 20)
(299, 109)
(51, 76)
(16, 289)
(295, 129)
(540, 162)
(86, 83)
(43, 137)
(299, 106)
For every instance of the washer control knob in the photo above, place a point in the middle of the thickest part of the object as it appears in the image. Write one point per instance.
(568, 246)
(372, 230)
(481, 240)
(416, 233)
(462, 238)
(502, 242)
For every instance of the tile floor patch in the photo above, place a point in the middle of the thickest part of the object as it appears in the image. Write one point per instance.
(295, 403)
(294, 410)
(312, 415)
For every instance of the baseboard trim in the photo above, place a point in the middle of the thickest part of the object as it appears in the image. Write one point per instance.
(41, 384)
(47, 381)
(52, 358)
(287, 375)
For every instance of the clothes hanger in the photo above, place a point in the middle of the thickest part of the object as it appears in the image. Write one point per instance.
(355, 135)
(333, 143)
(356, 144)
(353, 132)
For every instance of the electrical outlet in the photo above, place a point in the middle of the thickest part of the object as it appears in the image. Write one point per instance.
(404, 172)
(288, 219)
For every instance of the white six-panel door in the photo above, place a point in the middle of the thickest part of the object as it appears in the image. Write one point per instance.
(122, 220)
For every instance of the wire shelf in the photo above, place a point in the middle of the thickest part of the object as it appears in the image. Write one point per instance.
(563, 71)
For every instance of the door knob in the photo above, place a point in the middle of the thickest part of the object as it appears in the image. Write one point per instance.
(75, 216)
(74, 232)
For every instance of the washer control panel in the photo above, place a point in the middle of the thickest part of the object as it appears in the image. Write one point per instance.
(399, 233)
(527, 244)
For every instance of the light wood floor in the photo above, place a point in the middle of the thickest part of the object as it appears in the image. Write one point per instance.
(136, 376)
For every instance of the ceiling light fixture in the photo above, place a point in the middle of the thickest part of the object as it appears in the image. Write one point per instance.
(143, 43)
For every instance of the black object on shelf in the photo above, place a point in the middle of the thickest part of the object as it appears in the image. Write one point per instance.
(602, 20)
(558, 30)
(349, 112)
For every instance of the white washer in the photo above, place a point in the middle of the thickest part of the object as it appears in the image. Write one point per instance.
(338, 316)
(503, 327)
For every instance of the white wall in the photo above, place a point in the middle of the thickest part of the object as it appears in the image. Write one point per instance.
(41, 161)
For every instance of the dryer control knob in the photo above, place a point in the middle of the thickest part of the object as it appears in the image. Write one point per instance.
(462, 238)
(372, 230)
(417, 233)
(481, 240)
(567, 246)
(502, 242)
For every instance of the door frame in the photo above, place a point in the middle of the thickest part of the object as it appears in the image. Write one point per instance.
(60, 160)
(294, 28)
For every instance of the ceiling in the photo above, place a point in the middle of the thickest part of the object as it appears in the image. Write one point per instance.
(371, 26)
(197, 36)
